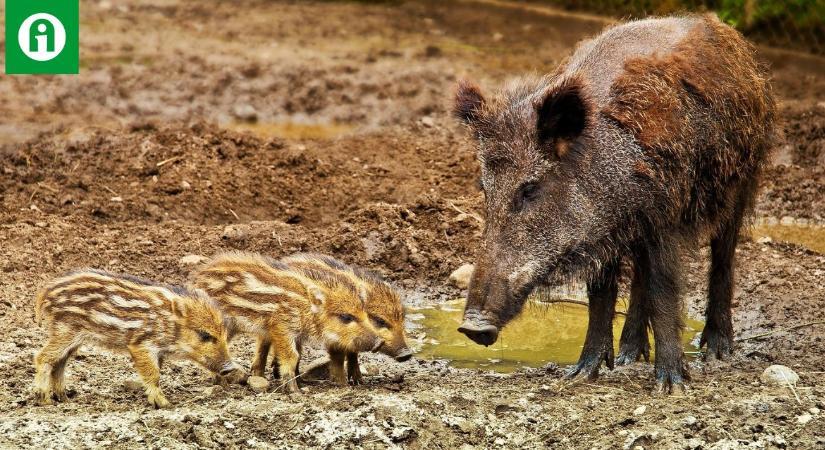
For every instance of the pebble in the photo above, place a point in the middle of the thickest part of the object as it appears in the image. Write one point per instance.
(427, 121)
(461, 276)
(133, 385)
(117, 199)
(804, 418)
(235, 233)
(814, 410)
(640, 410)
(258, 384)
(690, 421)
(778, 375)
(191, 260)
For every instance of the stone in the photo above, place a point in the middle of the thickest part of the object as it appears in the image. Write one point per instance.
(640, 410)
(245, 112)
(133, 386)
(427, 121)
(778, 375)
(191, 260)
(235, 233)
(461, 276)
(258, 384)
(804, 418)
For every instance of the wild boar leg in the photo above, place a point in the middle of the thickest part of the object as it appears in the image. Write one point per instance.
(261, 355)
(718, 331)
(336, 367)
(598, 343)
(661, 263)
(52, 356)
(287, 356)
(146, 365)
(634, 341)
(353, 369)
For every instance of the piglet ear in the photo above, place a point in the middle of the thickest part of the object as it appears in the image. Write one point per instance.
(563, 113)
(468, 102)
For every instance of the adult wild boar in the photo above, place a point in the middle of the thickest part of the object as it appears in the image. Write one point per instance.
(648, 139)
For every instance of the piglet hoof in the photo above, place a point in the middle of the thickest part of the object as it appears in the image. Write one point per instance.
(719, 344)
(42, 398)
(355, 378)
(158, 401)
(60, 396)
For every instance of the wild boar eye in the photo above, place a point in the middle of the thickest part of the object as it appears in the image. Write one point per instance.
(346, 318)
(206, 337)
(526, 193)
(379, 322)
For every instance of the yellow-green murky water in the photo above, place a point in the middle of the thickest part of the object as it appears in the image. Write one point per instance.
(542, 333)
(812, 237)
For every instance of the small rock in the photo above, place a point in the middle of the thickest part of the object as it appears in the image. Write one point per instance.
(133, 386)
(778, 375)
(185, 185)
(764, 240)
(258, 384)
(117, 199)
(192, 260)
(427, 121)
(41, 224)
(814, 410)
(497, 37)
(689, 421)
(229, 425)
(640, 410)
(236, 233)
(786, 220)
(245, 112)
(461, 276)
(804, 418)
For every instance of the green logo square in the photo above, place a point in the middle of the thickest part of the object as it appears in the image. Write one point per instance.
(42, 36)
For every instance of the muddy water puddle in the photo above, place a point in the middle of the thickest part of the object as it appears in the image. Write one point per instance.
(809, 236)
(543, 333)
(293, 130)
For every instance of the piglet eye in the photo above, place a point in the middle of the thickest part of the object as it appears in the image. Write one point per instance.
(379, 322)
(346, 318)
(206, 337)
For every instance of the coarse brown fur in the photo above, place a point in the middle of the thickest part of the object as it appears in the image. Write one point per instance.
(382, 301)
(285, 307)
(124, 313)
(648, 139)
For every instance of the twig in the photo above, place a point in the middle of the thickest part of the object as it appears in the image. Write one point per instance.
(769, 333)
(47, 187)
(473, 215)
(785, 377)
(575, 302)
(166, 161)
(113, 192)
(236, 216)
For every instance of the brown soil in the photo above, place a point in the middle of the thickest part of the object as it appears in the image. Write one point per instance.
(138, 161)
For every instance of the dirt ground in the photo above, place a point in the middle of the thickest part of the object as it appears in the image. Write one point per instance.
(196, 127)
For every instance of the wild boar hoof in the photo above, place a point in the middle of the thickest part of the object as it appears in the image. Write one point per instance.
(671, 382)
(719, 344)
(632, 352)
(589, 363)
(355, 378)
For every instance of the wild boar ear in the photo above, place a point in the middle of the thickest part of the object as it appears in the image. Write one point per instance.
(468, 102)
(563, 112)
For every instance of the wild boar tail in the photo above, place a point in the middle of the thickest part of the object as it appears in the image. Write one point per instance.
(40, 304)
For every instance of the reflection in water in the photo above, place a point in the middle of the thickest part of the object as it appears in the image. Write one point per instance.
(812, 237)
(541, 334)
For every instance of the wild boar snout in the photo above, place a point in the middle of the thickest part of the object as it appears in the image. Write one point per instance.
(229, 367)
